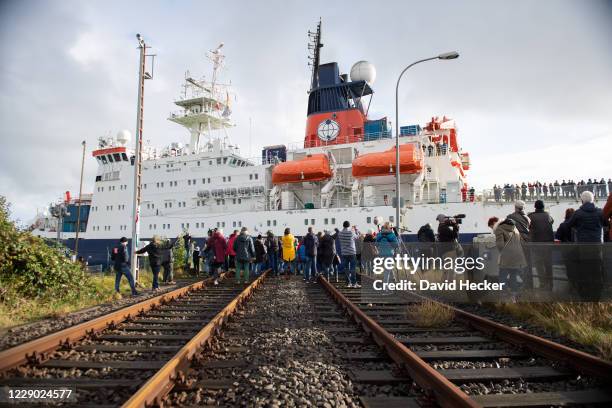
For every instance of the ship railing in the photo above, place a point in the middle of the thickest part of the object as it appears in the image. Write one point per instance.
(566, 193)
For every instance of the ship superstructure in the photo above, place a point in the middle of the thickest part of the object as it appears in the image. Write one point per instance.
(342, 170)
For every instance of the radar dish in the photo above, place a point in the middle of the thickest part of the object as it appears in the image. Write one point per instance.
(363, 71)
(124, 137)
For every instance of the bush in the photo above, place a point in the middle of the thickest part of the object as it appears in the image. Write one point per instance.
(32, 268)
(179, 253)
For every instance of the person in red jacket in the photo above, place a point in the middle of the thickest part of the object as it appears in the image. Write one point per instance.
(607, 215)
(231, 254)
(218, 245)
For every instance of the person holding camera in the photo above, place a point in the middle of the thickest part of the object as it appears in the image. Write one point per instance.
(448, 236)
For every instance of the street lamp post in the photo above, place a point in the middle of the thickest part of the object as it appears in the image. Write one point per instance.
(445, 56)
(78, 222)
(142, 75)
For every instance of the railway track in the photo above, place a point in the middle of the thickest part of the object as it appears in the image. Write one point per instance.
(472, 362)
(130, 357)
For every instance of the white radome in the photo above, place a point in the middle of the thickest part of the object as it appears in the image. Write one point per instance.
(363, 71)
(124, 136)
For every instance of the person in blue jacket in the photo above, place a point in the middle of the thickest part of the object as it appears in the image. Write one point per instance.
(387, 244)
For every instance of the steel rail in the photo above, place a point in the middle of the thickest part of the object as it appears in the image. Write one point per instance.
(163, 381)
(36, 349)
(446, 393)
(579, 360)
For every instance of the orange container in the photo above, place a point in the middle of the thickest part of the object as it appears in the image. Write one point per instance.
(311, 168)
(383, 163)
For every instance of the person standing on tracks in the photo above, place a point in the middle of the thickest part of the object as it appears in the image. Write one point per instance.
(348, 238)
(154, 250)
(588, 222)
(121, 260)
(387, 244)
(196, 260)
(288, 244)
(260, 255)
(218, 245)
(511, 256)
(368, 251)
(167, 262)
(245, 255)
(541, 233)
(272, 250)
(522, 221)
(231, 254)
(310, 243)
(327, 254)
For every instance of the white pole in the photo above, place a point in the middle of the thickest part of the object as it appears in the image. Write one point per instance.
(137, 161)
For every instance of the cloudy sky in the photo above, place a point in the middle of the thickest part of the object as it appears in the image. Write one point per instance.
(531, 92)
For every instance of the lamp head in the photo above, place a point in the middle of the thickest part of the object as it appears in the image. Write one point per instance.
(448, 55)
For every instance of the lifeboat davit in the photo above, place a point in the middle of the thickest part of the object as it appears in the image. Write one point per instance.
(314, 167)
(383, 163)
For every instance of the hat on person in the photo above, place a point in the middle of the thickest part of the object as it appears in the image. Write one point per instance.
(123, 239)
(244, 229)
(539, 205)
(441, 217)
(519, 205)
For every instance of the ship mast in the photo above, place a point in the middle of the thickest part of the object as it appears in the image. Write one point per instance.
(314, 48)
(205, 104)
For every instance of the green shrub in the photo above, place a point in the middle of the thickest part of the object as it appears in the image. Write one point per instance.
(179, 253)
(32, 268)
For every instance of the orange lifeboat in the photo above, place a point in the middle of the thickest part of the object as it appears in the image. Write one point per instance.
(311, 168)
(383, 163)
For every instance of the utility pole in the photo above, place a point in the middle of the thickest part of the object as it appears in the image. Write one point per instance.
(78, 222)
(142, 75)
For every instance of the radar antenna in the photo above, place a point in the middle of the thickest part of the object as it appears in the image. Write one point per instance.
(314, 52)
(217, 59)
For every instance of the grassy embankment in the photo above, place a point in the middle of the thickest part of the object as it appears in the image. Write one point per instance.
(15, 309)
(38, 281)
(585, 323)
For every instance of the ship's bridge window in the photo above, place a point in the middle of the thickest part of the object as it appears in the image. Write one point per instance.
(250, 177)
(103, 158)
(110, 158)
(225, 160)
(124, 156)
(224, 179)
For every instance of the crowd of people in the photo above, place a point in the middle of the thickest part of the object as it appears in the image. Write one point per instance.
(569, 189)
(520, 237)
(522, 240)
(326, 252)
